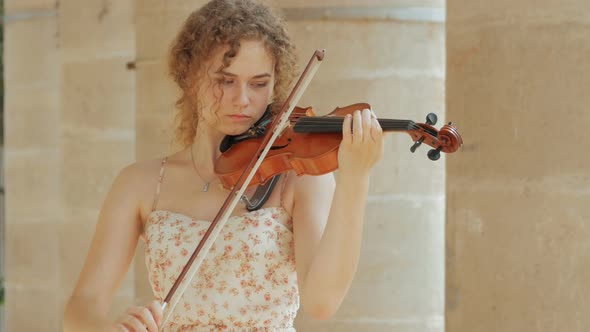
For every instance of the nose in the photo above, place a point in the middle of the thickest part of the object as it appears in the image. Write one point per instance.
(241, 99)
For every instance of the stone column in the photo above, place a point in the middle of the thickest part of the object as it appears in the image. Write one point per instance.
(32, 159)
(69, 128)
(517, 237)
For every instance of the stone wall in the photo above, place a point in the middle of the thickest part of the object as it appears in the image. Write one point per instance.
(517, 196)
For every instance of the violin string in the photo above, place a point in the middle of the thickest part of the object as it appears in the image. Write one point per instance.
(384, 126)
(340, 120)
(400, 126)
(334, 124)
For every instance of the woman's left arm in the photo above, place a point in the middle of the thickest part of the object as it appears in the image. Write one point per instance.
(328, 218)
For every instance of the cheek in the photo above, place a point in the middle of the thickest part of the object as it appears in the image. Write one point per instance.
(266, 95)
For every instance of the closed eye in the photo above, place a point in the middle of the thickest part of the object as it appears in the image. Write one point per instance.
(261, 84)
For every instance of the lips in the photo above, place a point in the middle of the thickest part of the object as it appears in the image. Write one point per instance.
(239, 117)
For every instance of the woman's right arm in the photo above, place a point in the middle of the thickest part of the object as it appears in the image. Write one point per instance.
(111, 251)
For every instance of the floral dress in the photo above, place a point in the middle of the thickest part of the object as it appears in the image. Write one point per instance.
(247, 281)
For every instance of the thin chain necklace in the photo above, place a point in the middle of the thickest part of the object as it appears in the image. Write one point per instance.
(206, 186)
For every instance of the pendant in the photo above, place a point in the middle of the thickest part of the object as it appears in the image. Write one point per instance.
(205, 187)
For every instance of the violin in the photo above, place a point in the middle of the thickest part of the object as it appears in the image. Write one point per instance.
(309, 144)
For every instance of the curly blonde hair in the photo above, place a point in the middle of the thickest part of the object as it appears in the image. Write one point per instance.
(218, 23)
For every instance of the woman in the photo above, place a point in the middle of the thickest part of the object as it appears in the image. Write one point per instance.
(231, 59)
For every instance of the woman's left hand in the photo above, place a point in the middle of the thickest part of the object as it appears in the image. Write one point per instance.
(362, 143)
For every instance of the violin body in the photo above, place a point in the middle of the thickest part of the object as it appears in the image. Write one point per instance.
(305, 153)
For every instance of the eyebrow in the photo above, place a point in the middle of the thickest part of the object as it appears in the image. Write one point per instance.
(223, 72)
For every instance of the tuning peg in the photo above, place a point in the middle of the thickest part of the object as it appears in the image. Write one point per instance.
(417, 144)
(434, 154)
(431, 119)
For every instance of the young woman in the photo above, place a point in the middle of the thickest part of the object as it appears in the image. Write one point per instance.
(231, 59)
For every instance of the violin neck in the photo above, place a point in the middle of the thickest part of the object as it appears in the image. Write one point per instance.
(328, 124)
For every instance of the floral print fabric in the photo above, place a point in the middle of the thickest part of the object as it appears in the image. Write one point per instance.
(247, 281)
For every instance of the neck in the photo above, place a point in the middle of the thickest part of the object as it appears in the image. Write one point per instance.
(206, 149)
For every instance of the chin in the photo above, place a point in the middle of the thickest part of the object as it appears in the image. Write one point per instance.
(235, 130)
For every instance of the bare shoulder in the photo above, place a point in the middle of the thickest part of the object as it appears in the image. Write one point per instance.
(140, 180)
(137, 173)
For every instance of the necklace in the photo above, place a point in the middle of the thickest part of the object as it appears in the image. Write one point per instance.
(206, 186)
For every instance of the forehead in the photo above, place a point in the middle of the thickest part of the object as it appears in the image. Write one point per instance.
(252, 59)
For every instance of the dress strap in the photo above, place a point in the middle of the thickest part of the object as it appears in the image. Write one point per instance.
(160, 177)
(284, 179)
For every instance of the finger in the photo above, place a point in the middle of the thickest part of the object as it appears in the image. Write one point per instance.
(156, 309)
(134, 325)
(144, 315)
(347, 129)
(377, 136)
(357, 127)
(121, 328)
(367, 123)
(376, 130)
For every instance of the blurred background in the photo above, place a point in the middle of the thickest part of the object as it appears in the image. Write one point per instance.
(493, 237)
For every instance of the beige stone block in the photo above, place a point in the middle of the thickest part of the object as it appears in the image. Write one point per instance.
(155, 137)
(358, 44)
(187, 6)
(517, 12)
(409, 229)
(515, 261)
(90, 166)
(156, 96)
(156, 92)
(32, 255)
(28, 6)
(525, 111)
(31, 309)
(96, 29)
(404, 174)
(156, 31)
(98, 96)
(357, 3)
(31, 118)
(162, 7)
(32, 181)
(395, 323)
(30, 54)
(359, 49)
(390, 97)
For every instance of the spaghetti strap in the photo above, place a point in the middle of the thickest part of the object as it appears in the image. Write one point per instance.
(160, 177)
(284, 179)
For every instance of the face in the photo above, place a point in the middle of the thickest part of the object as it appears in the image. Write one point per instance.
(237, 96)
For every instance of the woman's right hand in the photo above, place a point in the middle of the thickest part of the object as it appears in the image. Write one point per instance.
(140, 319)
